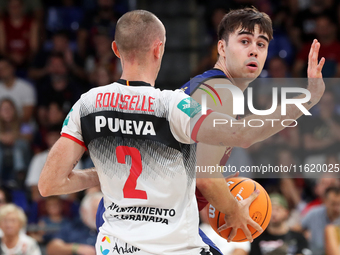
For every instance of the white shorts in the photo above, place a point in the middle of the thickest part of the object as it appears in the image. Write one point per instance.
(110, 245)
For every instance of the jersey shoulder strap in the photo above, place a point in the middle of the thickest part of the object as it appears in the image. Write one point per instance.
(190, 87)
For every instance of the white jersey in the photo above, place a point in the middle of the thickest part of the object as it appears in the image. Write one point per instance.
(138, 140)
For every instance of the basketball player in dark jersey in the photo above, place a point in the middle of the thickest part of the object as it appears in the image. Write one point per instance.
(244, 36)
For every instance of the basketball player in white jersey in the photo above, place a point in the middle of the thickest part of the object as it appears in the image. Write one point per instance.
(149, 195)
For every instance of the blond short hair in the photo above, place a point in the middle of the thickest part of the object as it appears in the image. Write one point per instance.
(12, 208)
(136, 31)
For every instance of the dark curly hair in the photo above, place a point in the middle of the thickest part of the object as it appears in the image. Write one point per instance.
(246, 19)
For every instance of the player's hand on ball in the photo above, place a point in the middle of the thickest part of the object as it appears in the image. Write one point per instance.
(241, 219)
(316, 84)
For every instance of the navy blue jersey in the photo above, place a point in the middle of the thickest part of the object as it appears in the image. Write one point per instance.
(191, 86)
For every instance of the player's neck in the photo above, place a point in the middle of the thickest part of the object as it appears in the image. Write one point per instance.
(281, 229)
(133, 72)
(221, 66)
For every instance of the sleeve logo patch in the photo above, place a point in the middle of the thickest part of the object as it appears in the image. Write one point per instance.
(189, 106)
(67, 118)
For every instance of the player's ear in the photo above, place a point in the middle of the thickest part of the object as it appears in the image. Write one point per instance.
(115, 49)
(221, 47)
(158, 49)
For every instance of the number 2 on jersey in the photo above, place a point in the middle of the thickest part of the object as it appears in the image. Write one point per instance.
(129, 189)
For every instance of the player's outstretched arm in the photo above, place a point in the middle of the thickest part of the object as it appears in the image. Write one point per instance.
(241, 135)
(58, 176)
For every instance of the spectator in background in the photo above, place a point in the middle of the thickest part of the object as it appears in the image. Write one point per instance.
(278, 68)
(282, 25)
(304, 27)
(31, 7)
(278, 238)
(19, 91)
(55, 114)
(60, 45)
(322, 184)
(52, 115)
(332, 238)
(209, 60)
(57, 85)
(101, 77)
(13, 151)
(66, 15)
(319, 217)
(18, 34)
(5, 196)
(326, 33)
(104, 57)
(50, 224)
(80, 236)
(291, 188)
(13, 242)
(321, 132)
(332, 160)
(102, 20)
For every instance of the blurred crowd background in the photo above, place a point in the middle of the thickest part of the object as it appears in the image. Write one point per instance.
(53, 51)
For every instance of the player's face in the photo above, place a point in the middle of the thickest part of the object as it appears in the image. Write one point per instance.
(246, 53)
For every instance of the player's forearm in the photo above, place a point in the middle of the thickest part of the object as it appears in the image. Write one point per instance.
(239, 133)
(216, 192)
(271, 127)
(58, 176)
(78, 180)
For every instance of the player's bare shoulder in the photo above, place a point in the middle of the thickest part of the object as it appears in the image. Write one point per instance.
(218, 99)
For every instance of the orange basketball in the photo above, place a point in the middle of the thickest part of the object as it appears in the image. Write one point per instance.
(260, 210)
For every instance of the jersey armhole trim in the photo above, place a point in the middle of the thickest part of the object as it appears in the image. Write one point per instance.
(207, 79)
(198, 124)
(74, 139)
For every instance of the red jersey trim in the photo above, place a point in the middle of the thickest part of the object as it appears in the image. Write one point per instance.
(74, 139)
(198, 124)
